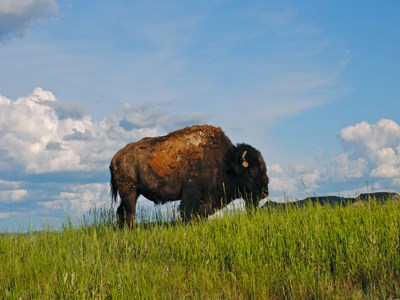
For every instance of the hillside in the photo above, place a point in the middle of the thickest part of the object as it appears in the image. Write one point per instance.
(337, 200)
(315, 251)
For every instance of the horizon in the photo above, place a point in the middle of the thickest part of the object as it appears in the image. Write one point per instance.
(313, 86)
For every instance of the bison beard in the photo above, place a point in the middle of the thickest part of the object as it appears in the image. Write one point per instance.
(198, 165)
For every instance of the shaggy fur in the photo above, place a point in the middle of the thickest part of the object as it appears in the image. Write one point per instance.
(198, 165)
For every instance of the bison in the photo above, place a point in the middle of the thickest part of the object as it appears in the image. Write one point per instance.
(198, 165)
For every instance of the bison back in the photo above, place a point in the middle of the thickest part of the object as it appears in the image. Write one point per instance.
(182, 150)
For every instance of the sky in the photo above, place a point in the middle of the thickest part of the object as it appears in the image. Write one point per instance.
(313, 85)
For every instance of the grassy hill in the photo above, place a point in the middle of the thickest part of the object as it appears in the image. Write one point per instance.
(315, 251)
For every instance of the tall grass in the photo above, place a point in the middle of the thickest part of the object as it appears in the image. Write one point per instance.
(317, 251)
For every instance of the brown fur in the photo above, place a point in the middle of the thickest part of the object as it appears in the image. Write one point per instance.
(182, 149)
(197, 165)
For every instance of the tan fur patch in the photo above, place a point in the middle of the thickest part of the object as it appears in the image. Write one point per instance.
(183, 148)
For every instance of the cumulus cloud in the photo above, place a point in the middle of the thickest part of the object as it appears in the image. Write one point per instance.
(367, 139)
(280, 182)
(388, 163)
(9, 184)
(309, 177)
(374, 148)
(371, 153)
(41, 135)
(78, 199)
(16, 16)
(11, 191)
(341, 168)
(371, 156)
(294, 183)
(52, 152)
(13, 195)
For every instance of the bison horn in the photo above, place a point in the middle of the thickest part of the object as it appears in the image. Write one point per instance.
(245, 163)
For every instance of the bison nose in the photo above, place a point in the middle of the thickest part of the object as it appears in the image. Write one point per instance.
(265, 192)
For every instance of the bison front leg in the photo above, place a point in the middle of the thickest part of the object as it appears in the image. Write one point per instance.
(251, 202)
(195, 201)
(190, 208)
(127, 208)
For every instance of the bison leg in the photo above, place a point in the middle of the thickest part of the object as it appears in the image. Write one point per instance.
(251, 202)
(190, 208)
(127, 208)
(185, 211)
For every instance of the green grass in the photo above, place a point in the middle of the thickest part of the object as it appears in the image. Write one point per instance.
(317, 251)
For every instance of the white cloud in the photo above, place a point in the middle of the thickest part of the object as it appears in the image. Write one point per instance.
(342, 168)
(281, 182)
(367, 139)
(11, 191)
(18, 195)
(308, 177)
(374, 145)
(57, 143)
(388, 163)
(371, 157)
(212, 68)
(79, 199)
(370, 162)
(371, 154)
(75, 200)
(17, 15)
(9, 184)
(41, 134)
(301, 179)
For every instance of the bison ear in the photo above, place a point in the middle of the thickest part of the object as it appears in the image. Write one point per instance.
(245, 163)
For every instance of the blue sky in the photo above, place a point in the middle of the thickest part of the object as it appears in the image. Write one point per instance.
(314, 85)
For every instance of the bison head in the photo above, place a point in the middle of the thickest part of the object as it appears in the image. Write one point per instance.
(248, 172)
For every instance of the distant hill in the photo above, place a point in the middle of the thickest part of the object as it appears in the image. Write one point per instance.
(332, 200)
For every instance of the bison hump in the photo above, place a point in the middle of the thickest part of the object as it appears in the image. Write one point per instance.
(179, 151)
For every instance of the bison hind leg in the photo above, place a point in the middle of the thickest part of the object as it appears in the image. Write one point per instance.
(121, 215)
(126, 210)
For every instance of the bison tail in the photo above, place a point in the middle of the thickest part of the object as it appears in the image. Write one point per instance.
(113, 186)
